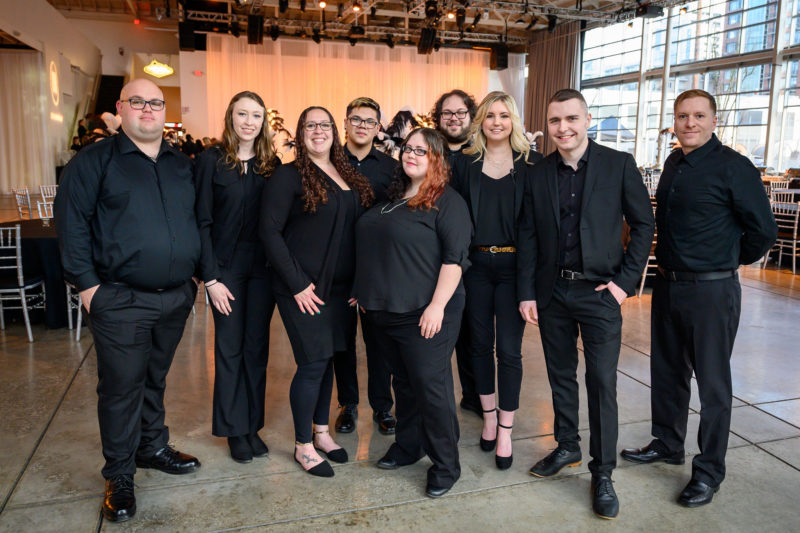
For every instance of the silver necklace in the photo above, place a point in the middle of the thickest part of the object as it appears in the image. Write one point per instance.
(385, 212)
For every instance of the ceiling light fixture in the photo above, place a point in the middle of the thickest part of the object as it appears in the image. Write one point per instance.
(158, 70)
(357, 7)
(323, 4)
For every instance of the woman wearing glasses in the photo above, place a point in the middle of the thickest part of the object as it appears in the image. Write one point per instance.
(229, 179)
(411, 252)
(308, 213)
(490, 176)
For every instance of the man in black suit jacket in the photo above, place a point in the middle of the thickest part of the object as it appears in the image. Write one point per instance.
(575, 274)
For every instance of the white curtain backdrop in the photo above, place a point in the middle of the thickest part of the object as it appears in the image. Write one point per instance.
(513, 80)
(291, 75)
(26, 157)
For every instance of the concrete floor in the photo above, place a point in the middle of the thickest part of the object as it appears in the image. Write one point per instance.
(50, 456)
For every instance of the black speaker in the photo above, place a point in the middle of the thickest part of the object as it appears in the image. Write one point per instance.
(200, 41)
(186, 36)
(426, 39)
(499, 58)
(255, 29)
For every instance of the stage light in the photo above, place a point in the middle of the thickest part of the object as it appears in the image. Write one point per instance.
(431, 9)
(551, 23)
(340, 11)
(461, 17)
(475, 21)
(451, 15)
(357, 7)
(323, 4)
(303, 6)
(389, 40)
(283, 5)
(234, 28)
(684, 10)
(274, 32)
(315, 36)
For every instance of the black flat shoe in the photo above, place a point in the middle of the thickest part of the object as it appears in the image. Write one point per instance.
(120, 503)
(258, 446)
(697, 493)
(436, 492)
(653, 453)
(324, 469)
(240, 449)
(604, 500)
(503, 463)
(170, 461)
(339, 455)
(557, 460)
(386, 422)
(347, 419)
(486, 444)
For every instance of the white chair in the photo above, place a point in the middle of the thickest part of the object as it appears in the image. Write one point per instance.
(74, 303)
(651, 264)
(45, 209)
(787, 215)
(14, 286)
(23, 198)
(48, 192)
(778, 197)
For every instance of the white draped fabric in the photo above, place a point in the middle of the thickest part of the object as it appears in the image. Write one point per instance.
(25, 160)
(513, 80)
(291, 75)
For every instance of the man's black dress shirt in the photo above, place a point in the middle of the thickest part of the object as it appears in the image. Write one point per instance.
(378, 168)
(712, 212)
(570, 196)
(123, 217)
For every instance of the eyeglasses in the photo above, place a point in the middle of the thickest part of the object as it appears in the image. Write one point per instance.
(139, 103)
(324, 126)
(368, 123)
(418, 151)
(460, 114)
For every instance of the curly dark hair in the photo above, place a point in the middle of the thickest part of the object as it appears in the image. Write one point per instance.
(437, 177)
(469, 102)
(315, 187)
(266, 160)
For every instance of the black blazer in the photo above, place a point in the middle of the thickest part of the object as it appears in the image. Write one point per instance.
(220, 196)
(467, 180)
(613, 188)
(301, 247)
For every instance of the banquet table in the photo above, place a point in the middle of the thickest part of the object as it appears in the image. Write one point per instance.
(40, 257)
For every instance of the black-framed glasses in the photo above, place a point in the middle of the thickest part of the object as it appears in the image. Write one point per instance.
(357, 121)
(311, 126)
(460, 114)
(139, 103)
(418, 151)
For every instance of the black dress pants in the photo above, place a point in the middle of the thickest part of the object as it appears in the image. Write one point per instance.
(466, 374)
(241, 345)
(423, 382)
(135, 335)
(576, 307)
(310, 397)
(693, 326)
(492, 307)
(379, 379)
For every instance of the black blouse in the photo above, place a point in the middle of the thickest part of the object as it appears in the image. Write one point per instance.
(399, 252)
(303, 247)
(496, 221)
(227, 206)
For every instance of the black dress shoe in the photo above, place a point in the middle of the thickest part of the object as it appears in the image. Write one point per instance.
(555, 462)
(240, 449)
(258, 446)
(697, 493)
(324, 469)
(386, 422)
(170, 461)
(387, 463)
(436, 492)
(651, 454)
(604, 500)
(346, 421)
(473, 406)
(120, 503)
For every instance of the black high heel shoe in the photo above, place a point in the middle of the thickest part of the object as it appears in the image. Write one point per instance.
(503, 463)
(488, 445)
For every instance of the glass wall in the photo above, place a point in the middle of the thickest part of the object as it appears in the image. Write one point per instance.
(613, 110)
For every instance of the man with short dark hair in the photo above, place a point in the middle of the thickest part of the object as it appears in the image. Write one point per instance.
(712, 215)
(361, 125)
(453, 113)
(574, 276)
(129, 241)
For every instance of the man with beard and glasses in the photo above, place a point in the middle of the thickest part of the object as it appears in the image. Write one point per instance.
(453, 113)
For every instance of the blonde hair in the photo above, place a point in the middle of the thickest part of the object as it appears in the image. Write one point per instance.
(517, 139)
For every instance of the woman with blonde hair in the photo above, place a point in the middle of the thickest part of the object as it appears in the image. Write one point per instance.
(229, 178)
(490, 175)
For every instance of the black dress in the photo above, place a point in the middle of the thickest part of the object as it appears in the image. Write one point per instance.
(304, 248)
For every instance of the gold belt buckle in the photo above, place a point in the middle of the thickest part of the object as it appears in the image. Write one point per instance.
(494, 249)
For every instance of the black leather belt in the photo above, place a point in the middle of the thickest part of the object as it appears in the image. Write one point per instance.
(570, 274)
(673, 275)
(123, 284)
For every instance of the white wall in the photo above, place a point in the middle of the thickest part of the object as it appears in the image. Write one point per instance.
(194, 96)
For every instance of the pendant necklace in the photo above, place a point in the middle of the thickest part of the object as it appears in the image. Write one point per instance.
(384, 211)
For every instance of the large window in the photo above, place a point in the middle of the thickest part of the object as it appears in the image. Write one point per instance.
(612, 50)
(613, 110)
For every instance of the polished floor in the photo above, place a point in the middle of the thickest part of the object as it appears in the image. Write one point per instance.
(50, 449)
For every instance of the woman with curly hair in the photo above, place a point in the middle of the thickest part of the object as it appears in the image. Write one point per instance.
(230, 178)
(308, 213)
(490, 175)
(410, 255)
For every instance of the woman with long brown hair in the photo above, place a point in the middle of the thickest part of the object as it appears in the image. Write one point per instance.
(308, 215)
(229, 178)
(411, 252)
